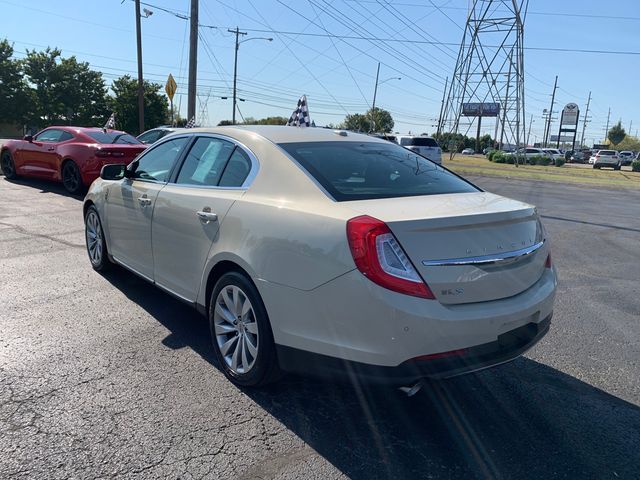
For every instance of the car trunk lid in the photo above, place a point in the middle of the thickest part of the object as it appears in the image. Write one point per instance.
(468, 247)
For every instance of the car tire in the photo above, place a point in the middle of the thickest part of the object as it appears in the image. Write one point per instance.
(95, 242)
(71, 178)
(617, 167)
(8, 167)
(241, 333)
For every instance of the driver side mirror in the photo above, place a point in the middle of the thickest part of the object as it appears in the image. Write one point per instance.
(28, 138)
(113, 172)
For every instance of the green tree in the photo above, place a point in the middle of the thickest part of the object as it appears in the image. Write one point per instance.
(616, 134)
(629, 143)
(66, 91)
(124, 103)
(363, 123)
(16, 98)
(266, 121)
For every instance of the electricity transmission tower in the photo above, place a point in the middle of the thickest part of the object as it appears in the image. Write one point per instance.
(490, 70)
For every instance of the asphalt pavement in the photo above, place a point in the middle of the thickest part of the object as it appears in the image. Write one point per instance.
(106, 376)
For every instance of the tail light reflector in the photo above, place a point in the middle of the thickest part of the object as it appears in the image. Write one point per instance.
(381, 259)
(547, 263)
(435, 356)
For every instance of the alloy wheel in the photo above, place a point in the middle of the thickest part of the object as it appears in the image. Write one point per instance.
(236, 329)
(71, 177)
(7, 165)
(94, 238)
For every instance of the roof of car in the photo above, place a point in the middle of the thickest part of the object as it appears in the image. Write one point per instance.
(284, 134)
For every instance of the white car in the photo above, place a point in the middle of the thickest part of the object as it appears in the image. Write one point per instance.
(320, 251)
(468, 151)
(554, 153)
(606, 158)
(529, 153)
(425, 146)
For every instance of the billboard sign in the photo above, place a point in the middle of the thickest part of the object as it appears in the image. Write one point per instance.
(570, 114)
(480, 109)
(562, 138)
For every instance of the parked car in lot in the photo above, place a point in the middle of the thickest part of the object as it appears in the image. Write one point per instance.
(529, 152)
(367, 260)
(468, 151)
(554, 153)
(71, 155)
(626, 157)
(606, 158)
(425, 146)
(155, 134)
(384, 136)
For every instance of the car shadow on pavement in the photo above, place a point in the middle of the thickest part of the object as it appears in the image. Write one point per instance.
(520, 420)
(45, 186)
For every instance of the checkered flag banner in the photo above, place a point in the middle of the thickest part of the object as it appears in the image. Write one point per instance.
(111, 123)
(300, 116)
(191, 123)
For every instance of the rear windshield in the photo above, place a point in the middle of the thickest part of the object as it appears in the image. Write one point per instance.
(418, 142)
(114, 137)
(607, 152)
(367, 170)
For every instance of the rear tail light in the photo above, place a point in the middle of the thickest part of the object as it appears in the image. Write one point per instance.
(381, 259)
(109, 153)
(436, 356)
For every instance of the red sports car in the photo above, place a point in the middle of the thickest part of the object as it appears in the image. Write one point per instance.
(72, 155)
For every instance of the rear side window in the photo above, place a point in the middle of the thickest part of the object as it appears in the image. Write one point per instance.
(205, 162)
(237, 169)
(418, 142)
(64, 136)
(150, 137)
(362, 171)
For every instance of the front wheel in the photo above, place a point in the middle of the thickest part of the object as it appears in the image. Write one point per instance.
(241, 333)
(71, 178)
(96, 245)
(8, 167)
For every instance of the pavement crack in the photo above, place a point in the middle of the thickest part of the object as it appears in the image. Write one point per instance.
(28, 233)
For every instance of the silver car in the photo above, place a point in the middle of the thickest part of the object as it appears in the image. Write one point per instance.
(319, 251)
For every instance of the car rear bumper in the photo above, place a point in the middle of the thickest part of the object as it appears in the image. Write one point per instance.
(507, 347)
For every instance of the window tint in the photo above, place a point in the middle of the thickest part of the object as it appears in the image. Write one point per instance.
(607, 152)
(205, 162)
(64, 136)
(418, 142)
(157, 162)
(361, 171)
(150, 137)
(237, 169)
(113, 137)
(533, 150)
(51, 135)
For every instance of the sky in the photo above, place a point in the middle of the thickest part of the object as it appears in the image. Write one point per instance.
(338, 74)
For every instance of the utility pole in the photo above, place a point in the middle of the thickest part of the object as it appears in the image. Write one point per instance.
(373, 107)
(553, 98)
(584, 123)
(140, 79)
(235, 71)
(630, 125)
(444, 93)
(193, 60)
(606, 130)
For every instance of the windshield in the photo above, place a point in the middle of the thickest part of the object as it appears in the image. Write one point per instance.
(362, 171)
(418, 142)
(114, 138)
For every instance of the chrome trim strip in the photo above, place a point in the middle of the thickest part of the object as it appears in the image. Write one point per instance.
(141, 275)
(485, 259)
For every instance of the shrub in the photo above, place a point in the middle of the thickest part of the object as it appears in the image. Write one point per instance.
(540, 160)
(500, 158)
(635, 166)
(560, 162)
(511, 159)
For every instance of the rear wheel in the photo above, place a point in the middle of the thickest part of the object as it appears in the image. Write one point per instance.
(241, 333)
(71, 178)
(8, 167)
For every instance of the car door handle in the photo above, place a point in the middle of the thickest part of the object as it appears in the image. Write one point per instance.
(207, 216)
(144, 201)
(50, 149)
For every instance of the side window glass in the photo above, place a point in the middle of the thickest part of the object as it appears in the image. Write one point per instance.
(205, 162)
(156, 164)
(150, 137)
(51, 135)
(64, 136)
(237, 169)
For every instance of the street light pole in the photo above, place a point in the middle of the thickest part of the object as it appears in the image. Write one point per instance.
(373, 107)
(140, 79)
(193, 60)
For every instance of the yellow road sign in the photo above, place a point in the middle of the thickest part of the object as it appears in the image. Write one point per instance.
(170, 87)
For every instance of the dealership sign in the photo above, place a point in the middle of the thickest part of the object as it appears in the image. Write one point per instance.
(570, 114)
(480, 109)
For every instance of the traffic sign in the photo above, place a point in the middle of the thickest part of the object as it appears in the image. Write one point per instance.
(170, 87)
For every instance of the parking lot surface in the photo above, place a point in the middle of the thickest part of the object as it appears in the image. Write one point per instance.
(106, 376)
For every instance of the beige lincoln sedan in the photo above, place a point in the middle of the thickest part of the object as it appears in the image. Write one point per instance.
(323, 251)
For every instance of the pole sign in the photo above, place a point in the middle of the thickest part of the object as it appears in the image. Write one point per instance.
(570, 114)
(170, 87)
(480, 109)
